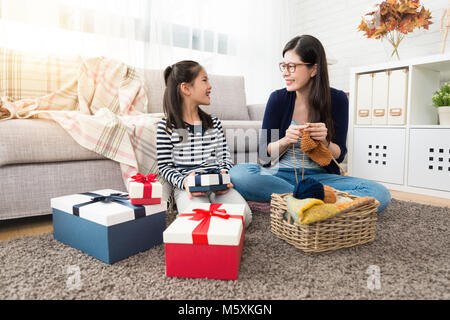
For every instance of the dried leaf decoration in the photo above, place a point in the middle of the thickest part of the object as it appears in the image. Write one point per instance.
(393, 19)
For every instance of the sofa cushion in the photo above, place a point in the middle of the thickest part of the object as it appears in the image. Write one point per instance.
(242, 136)
(154, 87)
(228, 100)
(39, 140)
(256, 111)
(227, 96)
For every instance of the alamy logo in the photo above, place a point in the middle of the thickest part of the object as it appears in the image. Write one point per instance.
(74, 280)
(374, 279)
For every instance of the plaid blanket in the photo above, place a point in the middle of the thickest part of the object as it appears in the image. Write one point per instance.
(103, 107)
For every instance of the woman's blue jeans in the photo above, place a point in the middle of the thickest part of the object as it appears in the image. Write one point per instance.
(256, 183)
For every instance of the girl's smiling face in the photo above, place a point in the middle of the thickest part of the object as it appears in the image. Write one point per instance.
(200, 89)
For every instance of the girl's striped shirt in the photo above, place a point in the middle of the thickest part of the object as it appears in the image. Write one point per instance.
(199, 151)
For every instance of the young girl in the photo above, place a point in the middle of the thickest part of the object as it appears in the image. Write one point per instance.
(308, 99)
(189, 140)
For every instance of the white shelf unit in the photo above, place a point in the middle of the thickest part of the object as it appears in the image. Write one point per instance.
(413, 155)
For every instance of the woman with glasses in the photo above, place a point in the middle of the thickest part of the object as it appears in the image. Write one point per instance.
(307, 103)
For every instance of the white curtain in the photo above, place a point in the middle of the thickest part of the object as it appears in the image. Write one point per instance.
(233, 37)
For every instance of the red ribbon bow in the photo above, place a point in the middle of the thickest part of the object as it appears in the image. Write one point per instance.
(139, 177)
(200, 233)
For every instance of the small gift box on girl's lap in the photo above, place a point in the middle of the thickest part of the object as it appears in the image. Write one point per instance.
(205, 241)
(105, 225)
(212, 180)
(144, 190)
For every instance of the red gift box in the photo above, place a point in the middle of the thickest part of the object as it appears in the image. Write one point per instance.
(206, 242)
(144, 190)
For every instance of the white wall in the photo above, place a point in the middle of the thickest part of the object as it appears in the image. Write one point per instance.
(335, 23)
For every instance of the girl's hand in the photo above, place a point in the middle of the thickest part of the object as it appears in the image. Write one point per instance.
(192, 194)
(229, 186)
(318, 131)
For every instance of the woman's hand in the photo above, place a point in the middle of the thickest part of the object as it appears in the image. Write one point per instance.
(229, 186)
(293, 134)
(318, 131)
(192, 194)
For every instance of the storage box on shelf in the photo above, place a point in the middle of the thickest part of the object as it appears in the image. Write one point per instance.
(381, 97)
(394, 136)
(380, 101)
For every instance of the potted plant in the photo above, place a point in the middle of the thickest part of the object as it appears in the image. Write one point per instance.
(393, 19)
(441, 100)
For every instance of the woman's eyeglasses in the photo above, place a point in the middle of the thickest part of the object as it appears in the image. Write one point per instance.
(291, 66)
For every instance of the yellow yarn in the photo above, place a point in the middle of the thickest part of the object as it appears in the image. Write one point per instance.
(306, 211)
(310, 210)
(301, 205)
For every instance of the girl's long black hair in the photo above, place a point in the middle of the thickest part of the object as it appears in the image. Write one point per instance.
(310, 50)
(183, 71)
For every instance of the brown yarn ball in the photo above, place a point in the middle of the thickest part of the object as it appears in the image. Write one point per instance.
(330, 195)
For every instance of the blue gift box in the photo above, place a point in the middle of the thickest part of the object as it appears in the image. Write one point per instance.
(105, 225)
(209, 181)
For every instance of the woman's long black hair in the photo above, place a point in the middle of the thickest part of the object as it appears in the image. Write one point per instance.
(310, 50)
(174, 76)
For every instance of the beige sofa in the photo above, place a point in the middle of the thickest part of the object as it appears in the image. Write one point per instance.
(39, 160)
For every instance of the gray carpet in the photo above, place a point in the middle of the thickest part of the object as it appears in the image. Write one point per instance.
(411, 249)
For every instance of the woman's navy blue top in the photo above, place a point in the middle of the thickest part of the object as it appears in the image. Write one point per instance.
(279, 112)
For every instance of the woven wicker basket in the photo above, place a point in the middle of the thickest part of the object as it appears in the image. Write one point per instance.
(341, 231)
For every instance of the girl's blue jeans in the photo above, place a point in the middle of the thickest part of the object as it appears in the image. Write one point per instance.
(256, 183)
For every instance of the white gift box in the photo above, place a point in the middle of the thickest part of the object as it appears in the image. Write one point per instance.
(208, 182)
(220, 232)
(107, 214)
(136, 190)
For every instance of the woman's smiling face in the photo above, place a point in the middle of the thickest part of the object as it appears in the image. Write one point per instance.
(301, 76)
